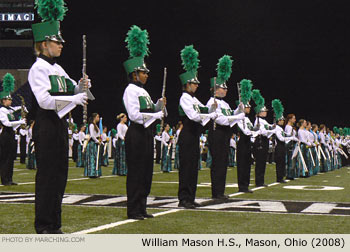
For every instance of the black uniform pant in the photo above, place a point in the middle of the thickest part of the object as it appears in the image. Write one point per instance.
(23, 149)
(75, 150)
(50, 136)
(139, 159)
(280, 159)
(188, 169)
(158, 151)
(243, 162)
(8, 147)
(260, 149)
(219, 146)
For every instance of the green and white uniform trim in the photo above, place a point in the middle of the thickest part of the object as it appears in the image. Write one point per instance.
(192, 108)
(139, 105)
(52, 87)
(226, 116)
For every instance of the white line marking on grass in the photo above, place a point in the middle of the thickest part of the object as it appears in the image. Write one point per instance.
(119, 223)
(254, 189)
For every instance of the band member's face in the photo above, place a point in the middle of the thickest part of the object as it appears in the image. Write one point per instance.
(143, 76)
(221, 92)
(263, 114)
(293, 119)
(53, 48)
(304, 124)
(125, 119)
(7, 102)
(97, 118)
(192, 87)
(247, 110)
(280, 122)
(167, 127)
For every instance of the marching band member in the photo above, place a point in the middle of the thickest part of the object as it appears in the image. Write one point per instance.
(142, 112)
(246, 132)
(194, 116)
(281, 139)
(8, 144)
(105, 141)
(325, 164)
(56, 94)
(166, 147)
(261, 143)
(233, 147)
(220, 130)
(178, 131)
(290, 147)
(310, 160)
(304, 142)
(80, 153)
(315, 150)
(23, 133)
(120, 167)
(158, 141)
(94, 149)
(75, 138)
(31, 164)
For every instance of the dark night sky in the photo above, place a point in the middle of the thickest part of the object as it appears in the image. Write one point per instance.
(297, 51)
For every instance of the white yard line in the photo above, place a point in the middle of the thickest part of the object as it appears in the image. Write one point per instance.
(254, 189)
(119, 223)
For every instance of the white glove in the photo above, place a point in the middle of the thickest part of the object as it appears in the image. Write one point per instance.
(159, 115)
(213, 115)
(80, 99)
(22, 121)
(81, 85)
(295, 139)
(240, 116)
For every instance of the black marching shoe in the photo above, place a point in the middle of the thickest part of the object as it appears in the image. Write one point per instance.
(281, 181)
(196, 204)
(57, 231)
(186, 204)
(13, 183)
(136, 217)
(221, 197)
(263, 185)
(245, 191)
(147, 216)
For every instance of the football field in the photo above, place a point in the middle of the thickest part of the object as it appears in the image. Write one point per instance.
(319, 204)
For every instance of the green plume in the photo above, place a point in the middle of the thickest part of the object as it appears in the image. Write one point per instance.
(51, 10)
(246, 90)
(137, 42)
(341, 131)
(113, 132)
(346, 131)
(258, 99)
(335, 130)
(224, 68)
(190, 60)
(8, 83)
(277, 108)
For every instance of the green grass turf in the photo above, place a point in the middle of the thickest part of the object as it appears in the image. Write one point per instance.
(18, 218)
